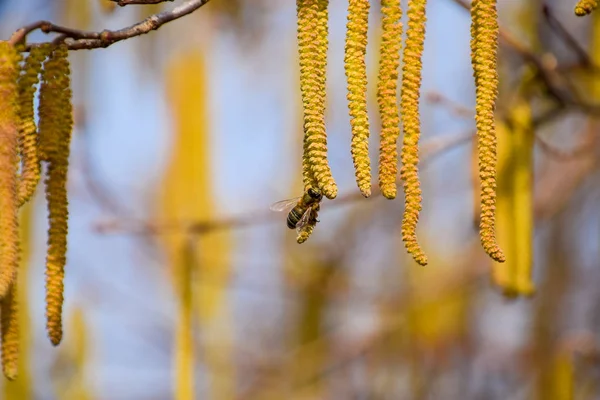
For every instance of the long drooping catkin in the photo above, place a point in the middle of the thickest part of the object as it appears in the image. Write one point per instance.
(9, 226)
(28, 138)
(485, 45)
(585, 7)
(356, 74)
(57, 137)
(9, 327)
(411, 87)
(312, 48)
(387, 87)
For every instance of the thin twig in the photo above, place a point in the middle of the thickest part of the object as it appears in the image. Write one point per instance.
(430, 150)
(124, 3)
(78, 39)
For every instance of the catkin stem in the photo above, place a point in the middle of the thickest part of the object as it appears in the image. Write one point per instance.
(312, 48)
(56, 88)
(411, 87)
(585, 7)
(356, 74)
(485, 44)
(387, 88)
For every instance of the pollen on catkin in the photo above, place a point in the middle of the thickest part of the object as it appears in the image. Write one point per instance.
(387, 88)
(312, 49)
(9, 327)
(28, 138)
(9, 225)
(356, 75)
(56, 80)
(411, 87)
(485, 44)
(305, 233)
(585, 7)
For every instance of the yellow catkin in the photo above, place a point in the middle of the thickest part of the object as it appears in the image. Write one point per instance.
(305, 233)
(387, 88)
(312, 49)
(9, 227)
(9, 321)
(485, 45)
(57, 137)
(28, 142)
(308, 177)
(585, 7)
(356, 75)
(411, 87)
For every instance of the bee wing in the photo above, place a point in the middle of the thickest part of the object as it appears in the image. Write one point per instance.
(285, 205)
(305, 218)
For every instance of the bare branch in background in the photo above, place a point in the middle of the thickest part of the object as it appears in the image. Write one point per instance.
(430, 150)
(123, 3)
(79, 39)
(454, 107)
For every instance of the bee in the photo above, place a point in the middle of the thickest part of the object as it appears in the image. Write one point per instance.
(303, 209)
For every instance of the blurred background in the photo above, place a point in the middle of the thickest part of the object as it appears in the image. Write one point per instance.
(182, 284)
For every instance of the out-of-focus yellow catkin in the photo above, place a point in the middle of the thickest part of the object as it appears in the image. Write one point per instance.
(356, 75)
(9, 227)
(585, 7)
(107, 6)
(485, 44)
(9, 321)
(515, 202)
(28, 138)
(411, 88)
(56, 135)
(312, 48)
(387, 88)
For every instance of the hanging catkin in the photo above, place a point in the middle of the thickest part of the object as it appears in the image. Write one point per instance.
(485, 44)
(56, 136)
(9, 327)
(312, 47)
(356, 75)
(28, 137)
(9, 227)
(411, 87)
(387, 87)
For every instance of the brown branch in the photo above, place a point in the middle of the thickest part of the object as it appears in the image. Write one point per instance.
(124, 3)
(79, 39)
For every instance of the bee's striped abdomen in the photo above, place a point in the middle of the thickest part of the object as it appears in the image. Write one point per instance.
(294, 217)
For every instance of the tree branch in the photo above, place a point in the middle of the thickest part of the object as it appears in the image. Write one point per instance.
(429, 151)
(79, 39)
(124, 3)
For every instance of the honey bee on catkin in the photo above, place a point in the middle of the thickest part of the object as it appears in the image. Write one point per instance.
(303, 210)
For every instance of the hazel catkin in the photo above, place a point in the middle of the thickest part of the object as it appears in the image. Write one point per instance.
(28, 137)
(9, 328)
(387, 87)
(56, 137)
(485, 46)
(312, 48)
(411, 87)
(9, 230)
(356, 75)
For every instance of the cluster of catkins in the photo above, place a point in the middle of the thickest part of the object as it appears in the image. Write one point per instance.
(23, 146)
(312, 46)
